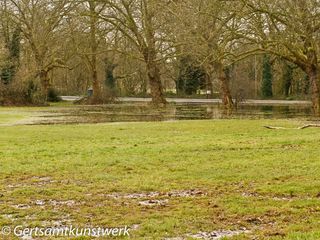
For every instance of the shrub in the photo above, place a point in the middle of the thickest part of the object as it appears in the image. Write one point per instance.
(53, 96)
(20, 94)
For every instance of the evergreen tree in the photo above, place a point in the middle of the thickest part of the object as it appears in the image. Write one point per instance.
(267, 77)
(195, 78)
(8, 72)
(191, 77)
(14, 46)
(110, 80)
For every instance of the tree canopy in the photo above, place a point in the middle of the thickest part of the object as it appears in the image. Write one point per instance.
(65, 44)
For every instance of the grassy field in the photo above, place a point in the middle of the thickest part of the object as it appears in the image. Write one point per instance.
(243, 176)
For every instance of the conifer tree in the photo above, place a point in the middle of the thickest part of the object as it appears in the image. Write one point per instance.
(9, 70)
(267, 77)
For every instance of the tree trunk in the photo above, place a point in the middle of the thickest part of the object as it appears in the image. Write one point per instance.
(96, 85)
(225, 89)
(155, 83)
(149, 51)
(314, 80)
(45, 83)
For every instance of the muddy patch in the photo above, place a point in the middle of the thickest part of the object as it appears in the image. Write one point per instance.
(154, 199)
(40, 202)
(135, 227)
(171, 194)
(43, 179)
(63, 223)
(175, 238)
(55, 203)
(217, 234)
(132, 196)
(10, 217)
(154, 202)
(68, 203)
(286, 198)
(44, 203)
(27, 237)
(22, 206)
(214, 235)
(35, 181)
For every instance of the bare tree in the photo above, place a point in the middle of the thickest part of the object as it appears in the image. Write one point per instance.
(141, 23)
(41, 25)
(88, 32)
(289, 29)
(209, 33)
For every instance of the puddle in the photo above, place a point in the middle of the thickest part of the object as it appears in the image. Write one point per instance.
(137, 112)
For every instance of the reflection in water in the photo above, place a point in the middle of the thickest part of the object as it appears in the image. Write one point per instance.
(145, 112)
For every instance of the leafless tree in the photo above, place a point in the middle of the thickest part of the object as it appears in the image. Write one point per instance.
(289, 29)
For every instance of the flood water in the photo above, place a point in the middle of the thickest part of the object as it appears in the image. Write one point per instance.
(136, 112)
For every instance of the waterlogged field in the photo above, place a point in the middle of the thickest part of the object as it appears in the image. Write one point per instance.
(68, 113)
(164, 180)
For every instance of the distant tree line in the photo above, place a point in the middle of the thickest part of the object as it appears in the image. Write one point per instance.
(263, 49)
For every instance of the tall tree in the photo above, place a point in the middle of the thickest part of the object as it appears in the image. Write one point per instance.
(40, 23)
(209, 33)
(140, 22)
(88, 37)
(289, 29)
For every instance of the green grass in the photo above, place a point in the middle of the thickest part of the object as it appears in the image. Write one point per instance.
(264, 180)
